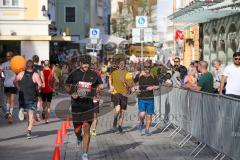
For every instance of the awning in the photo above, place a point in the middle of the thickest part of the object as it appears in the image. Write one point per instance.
(35, 38)
(104, 39)
(200, 12)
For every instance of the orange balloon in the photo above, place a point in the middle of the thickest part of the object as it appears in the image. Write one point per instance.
(18, 64)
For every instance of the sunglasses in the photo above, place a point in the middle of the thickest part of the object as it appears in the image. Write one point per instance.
(147, 67)
(176, 61)
(237, 59)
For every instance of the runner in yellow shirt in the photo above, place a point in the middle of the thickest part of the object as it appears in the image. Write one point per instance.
(120, 85)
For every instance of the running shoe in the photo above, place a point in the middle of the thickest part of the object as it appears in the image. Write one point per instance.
(93, 132)
(85, 156)
(120, 129)
(140, 127)
(29, 135)
(21, 114)
(147, 133)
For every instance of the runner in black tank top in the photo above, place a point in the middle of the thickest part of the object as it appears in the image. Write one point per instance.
(28, 83)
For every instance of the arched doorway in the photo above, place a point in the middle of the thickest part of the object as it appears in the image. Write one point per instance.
(232, 42)
(206, 45)
(213, 44)
(222, 46)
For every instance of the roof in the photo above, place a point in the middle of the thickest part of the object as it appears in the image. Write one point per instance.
(202, 11)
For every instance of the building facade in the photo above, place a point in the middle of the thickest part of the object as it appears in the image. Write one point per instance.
(212, 26)
(72, 18)
(24, 28)
(221, 39)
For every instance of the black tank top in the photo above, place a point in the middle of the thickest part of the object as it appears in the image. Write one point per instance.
(28, 89)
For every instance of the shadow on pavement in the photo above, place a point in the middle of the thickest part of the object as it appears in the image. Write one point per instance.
(117, 148)
(25, 152)
(36, 134)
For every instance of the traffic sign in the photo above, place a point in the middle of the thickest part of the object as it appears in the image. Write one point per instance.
(147, 35)
(141, 22)
(136, 35)
(94, 33)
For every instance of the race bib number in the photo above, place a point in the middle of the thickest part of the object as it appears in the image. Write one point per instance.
(83, 88)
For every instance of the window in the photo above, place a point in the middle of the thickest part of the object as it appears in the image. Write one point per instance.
(10, 3)
(70, 14)
(6, 2)
(15, 3)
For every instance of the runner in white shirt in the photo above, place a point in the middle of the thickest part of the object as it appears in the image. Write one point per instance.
(231, 74)
(9, 88)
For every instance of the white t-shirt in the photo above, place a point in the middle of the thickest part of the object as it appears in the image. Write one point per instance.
(9, 75)
(233, 79)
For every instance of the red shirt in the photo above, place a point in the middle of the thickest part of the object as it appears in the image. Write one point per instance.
(48, 81)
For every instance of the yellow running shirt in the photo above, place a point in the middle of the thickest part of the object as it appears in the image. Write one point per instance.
(121, 81)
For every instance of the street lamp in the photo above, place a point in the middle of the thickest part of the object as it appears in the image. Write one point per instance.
(44, 10)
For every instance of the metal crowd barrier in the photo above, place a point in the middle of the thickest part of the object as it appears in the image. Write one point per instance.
(212, 119)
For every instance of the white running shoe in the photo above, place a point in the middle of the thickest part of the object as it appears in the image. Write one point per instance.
(85, 156)
(21, 114)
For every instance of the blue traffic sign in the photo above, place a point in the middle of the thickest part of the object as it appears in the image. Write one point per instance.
(141, 20)
(94, 33)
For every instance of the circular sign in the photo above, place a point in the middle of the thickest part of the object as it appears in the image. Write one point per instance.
(141, 20)
(94, 32)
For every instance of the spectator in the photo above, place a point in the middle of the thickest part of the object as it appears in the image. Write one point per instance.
(231, 74)
(217, 74)
(177, 61)
(175, 76)
(205, 82)
(183, 73)
(191, 78)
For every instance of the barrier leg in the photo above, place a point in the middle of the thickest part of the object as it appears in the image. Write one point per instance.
(196, 148)
(166, 127)
(215, 158)
(158, 122)
(223, 157)
(174, 132)
(199, 150)
(186, 141)
(155, 117)
(183, 139)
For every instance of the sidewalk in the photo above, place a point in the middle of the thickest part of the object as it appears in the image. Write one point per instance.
(105, 146)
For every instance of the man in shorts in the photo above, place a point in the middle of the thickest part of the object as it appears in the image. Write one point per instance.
(147, 82)
(28, 83)
(120, 86)
(10, 89)
(38, 69)
(82, 84)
